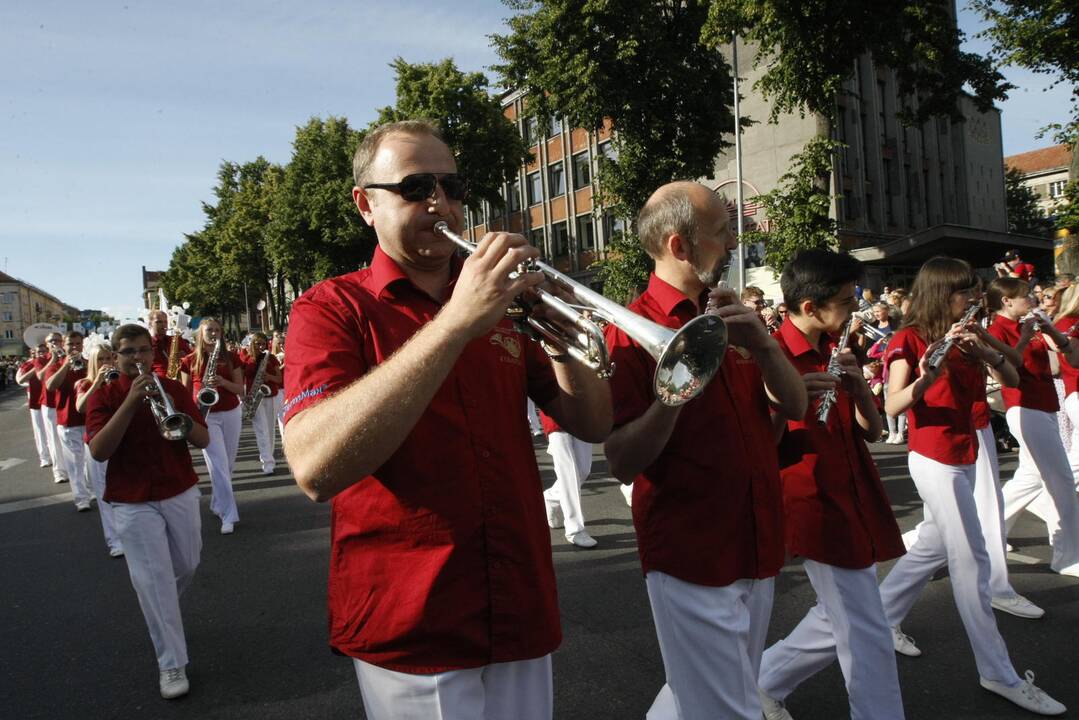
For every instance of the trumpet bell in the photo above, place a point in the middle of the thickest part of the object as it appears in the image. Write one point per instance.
(689, 359)
(175, 427)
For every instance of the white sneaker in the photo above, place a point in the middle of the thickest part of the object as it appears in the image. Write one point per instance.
(627, 493)
(773, 709)
(267, 469)
(173, 683)
(82, 506)
(227, 528)
(46, 463)
(1018, 606)
(1026, 695)
(903, 643)
(893, 439)
(582, 539)
(554, 516)
(57, 479)
(116, 552)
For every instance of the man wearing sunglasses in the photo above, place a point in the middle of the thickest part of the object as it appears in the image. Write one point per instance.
(405, 398)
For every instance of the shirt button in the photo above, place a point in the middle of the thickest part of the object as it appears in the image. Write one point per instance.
(485, 454)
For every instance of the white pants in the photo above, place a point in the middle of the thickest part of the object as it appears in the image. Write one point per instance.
(220, 456)
(1071, 407)
(73, 449)
(521, 690)
(95, 471)
(534, 423)
(37, 422)
(52, 439)
(950, 533)
(162, 543)
(264, 424)
(846, 623)
(1043, 466)
(711, 639)
(278, 412)
(572, 460)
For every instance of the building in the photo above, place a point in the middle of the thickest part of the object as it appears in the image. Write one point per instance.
(151, 281)
(22, 305)
(1045, 171)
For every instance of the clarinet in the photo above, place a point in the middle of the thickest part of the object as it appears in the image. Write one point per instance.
(835, 370)
(937, 357)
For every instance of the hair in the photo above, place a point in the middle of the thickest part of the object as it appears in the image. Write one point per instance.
(816, 275)
(365, 153)
(670, 214)
(75, 334)
(752, 291)
(868, 295)
(938, 278)
(94, 362)
(128, 332)
(1069, 303)
(1006, 287)
(202, 348)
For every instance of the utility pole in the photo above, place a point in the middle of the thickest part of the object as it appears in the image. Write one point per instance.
(739, 259)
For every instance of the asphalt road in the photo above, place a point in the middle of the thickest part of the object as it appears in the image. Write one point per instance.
(73, 643)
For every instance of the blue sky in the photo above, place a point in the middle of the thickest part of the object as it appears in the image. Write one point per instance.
(116, 114)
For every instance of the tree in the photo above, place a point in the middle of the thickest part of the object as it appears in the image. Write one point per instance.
(799, 208)
(1024, 215)
(488, 148)
(625, 268)
(1067, 211)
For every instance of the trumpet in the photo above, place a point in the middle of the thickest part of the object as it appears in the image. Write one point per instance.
(78, 362)
(112, 375)
(686, 359)
(172, 425)
(209, 396)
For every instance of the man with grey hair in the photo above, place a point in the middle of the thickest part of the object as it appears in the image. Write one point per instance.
(707, 503)
(405, 393)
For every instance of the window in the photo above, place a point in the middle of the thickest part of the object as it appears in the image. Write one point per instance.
(554, 127)
(6, 317)
(559, 239)
(612, 225)
(531, 131)
(586, 233)
(7, 298)
(536, 237)
(582, 170)
(9, 335)
(535, 189)
(556, 179)
(1056, 189)
(606, 149)
(514, 199)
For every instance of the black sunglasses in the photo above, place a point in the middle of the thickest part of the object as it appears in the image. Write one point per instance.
(421, 186)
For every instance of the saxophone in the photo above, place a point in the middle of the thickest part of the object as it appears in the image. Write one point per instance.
(209, 396)
(258, 390)
(173, 370)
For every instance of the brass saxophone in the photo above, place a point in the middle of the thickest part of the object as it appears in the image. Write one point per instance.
(173, 370)
(209, 396)
(258, 390)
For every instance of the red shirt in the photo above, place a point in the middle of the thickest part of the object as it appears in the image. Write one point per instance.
(1068, 374)
(835, 506)
(251, 367)
(48, 397)
(709, 509)
(441, 559)
(145, 466)
(981, 415)
(549, 424)
(161, 346)
(1023, 271)
(66, 414)
(226, 361)
(1036, 390)
(941, 424)
(33, 387)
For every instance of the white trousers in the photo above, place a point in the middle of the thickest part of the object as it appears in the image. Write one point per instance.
(162, 543)
(950, 533)
(711, 639)
(521, 690)
(847, 624)
(264, 424)
(95, 471)
(220, 456)
(73, 449)
(37, 422)
(534, 423)
(278, 412)
(52, 439)
(572, 460)
(1043, 467)
(1071, 407)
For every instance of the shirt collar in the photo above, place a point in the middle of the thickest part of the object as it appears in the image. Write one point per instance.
(668, 297)
(1005, 321)
(798, 343)
(385, 272)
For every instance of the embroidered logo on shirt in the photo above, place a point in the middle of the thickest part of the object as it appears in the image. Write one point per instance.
(508, 343)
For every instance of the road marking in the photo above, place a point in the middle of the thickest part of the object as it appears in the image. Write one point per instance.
(8, 463)
(1025, 559)
(32, 503)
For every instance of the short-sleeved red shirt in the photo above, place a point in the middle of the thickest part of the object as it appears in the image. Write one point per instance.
(709, 509)
(548, 423)
(47, 398)
(145, 466)
(66, 413)
(1023, 271)
(227, 399)
(1068, 374)
(836, 509)
(251, 366)
(1035, 390)
(162, 345)
(33, 385)
(441, 559)
(941, 423)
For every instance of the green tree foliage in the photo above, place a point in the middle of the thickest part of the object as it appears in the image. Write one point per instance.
(809, 48)
(488, 148)
(625, 268)
(799, 206)
(1067, 213)
(1024, 215)
(638, 63)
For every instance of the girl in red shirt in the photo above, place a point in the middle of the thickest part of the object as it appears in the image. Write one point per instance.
(100, 361)
(943, 448)
(1065, 321)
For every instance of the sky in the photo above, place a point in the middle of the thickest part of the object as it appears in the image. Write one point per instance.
(116, 114)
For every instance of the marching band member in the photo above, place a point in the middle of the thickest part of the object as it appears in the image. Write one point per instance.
(838, 516)
(943, 451)
(1066, 321)
(48, 406)
(27, 376)
(707, 502)
(151, 485)
(162, 341)
(405, 393)
(100, 362)
(223, 419)
(60, 378)
(1031, 415)
(278, 349)
(572, 461)
(265, 420)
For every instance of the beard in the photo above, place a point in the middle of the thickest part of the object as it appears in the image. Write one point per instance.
(710, 277)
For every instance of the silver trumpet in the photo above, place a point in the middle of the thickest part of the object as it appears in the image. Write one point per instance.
(78, 362)
(208, 396)
(835, 369)
(686, 359)
(171, 424)
(112, 375)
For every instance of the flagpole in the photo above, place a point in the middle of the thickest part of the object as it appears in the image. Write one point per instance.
(739, 260)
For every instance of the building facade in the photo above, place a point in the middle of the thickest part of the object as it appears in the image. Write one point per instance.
(22, 305)
(1045, 171)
